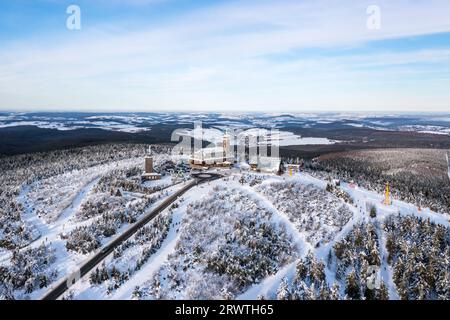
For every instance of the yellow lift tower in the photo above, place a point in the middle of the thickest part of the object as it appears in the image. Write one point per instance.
(387, 195)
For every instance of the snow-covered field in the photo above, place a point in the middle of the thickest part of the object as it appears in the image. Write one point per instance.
(138, 122)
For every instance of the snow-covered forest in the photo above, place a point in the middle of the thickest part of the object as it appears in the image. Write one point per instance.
(309, 282)
(49, 196)
(227, 242)
(27, 271)
(246, 235)
(418, 176)
(107, 212)
(316, 213)
(352, 258)
(419, 253)
(55, 203)
(128, 258)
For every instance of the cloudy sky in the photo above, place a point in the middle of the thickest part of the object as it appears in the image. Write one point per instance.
(198, 55)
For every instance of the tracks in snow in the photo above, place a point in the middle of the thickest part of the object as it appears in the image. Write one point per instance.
(51, 232)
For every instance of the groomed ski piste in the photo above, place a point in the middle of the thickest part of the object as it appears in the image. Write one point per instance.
(155, 264)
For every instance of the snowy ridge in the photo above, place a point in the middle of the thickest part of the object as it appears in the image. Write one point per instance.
(141, 122)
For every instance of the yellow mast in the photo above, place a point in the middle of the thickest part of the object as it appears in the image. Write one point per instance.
(387, 195)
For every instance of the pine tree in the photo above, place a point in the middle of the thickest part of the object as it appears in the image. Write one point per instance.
(335, 292)
(324, 292)
(402, 289)
(104, 274)
(375, 256)
(301, 270)
(95, 277)
(317, 272)
(390, 247)
(352, 289)
(373, 212)
(383, 293)
(283, 292)
(137, 294)
(310, 292)
(226, 294)
(156, 288)
(43, 281)
(29, 285)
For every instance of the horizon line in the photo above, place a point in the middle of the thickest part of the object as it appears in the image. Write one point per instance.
(227, 112)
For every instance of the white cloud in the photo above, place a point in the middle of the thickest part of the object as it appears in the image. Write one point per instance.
(216, 58)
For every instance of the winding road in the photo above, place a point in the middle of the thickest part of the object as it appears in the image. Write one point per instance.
(57, 290)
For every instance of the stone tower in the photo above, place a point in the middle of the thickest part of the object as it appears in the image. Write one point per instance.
(148, 165)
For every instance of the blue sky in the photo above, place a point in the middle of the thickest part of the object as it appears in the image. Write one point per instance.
(186, 55)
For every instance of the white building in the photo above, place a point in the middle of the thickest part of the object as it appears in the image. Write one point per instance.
(221, 156)
(212, 156)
